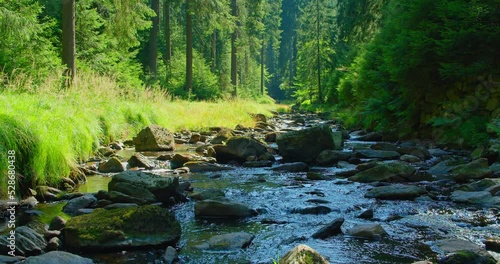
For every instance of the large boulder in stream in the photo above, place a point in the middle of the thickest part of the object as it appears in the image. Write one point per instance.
(240, 149)
(396, 192)
(388, 172)
(154, 138)
(367, 231)
(28, 242)
(303, 254)
(145, 186)
(221, 209)
(305, 145)
(477, 169)
(58, 257)
(122, 228)
(462, 251)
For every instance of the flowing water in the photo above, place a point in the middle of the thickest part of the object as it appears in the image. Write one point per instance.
(274, 195)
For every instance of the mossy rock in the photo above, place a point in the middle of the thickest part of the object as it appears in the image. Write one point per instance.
(477, 169)
(131, 227)
(303, 254)
(391, 172)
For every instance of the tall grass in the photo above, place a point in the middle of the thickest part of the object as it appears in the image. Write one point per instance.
(51, 128)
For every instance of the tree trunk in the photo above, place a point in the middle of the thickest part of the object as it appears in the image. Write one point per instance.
(189, 48)
(234, 65)
(168, 52)
(214, 51)
(153, 40)
(262, 68)
(320, 93)
(68, 39)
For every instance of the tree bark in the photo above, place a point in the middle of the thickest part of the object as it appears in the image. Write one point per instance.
(168, 42)
(262, 68)
(214, 51)
(320, 93)
(189, 48)
(234, 58)
(153, 40)
(68, 39)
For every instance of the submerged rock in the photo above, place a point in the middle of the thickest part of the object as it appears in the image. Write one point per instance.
(221, 209)
(305, 145)
(121, 228)
(391, 171)
(303, 254)
(58, 257)
(154, 138)
(228, 241)
(396, 192)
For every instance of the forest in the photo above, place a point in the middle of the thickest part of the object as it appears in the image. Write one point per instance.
(82, 79)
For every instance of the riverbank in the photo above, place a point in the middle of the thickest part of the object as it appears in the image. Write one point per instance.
(52, 128)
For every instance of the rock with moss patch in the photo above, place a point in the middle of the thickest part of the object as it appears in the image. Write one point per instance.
(111, 166)
(377, 154)
(303, 254)
(74, 205)
(305, 145)
(330, 157)
(228, 241)
(163, 188)
(395, 192)
(367, 231)
(154, 138)
(477, 169)
(202, 166)
(390, 172)
(239, 149)
(467, 257)
(122, 228)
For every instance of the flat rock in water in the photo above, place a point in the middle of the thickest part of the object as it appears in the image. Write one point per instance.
(302, 254)
(391, 171)
(58, 257)
(316, 210)
(154, 138)
(122, 228)
(202, 166)
(333, 228)
(74, 205)
(221, 209)
(368, 231)
(228, 241)
(292, 167)
(139, 160)
(396, 192)
(477, 169)
(162, 187)
(377, 154)
(306, 144)
(481, 197)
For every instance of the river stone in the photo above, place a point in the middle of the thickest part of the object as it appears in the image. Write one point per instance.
(118, 197)
(330, 157)
(377, 154)
(303, 254)
(333, 228)
(423, 262)
(57, 223)
(477, 169)
(53, 244)
(391, 171)
(420, 152)
(481, 198)
(228, 241)
(28, 242)
(258, 164)
(73, 205)
(239, 149)
(170, 255)
(271, 136)
(316, 210)
(368, 231)
(163, 188)
(208, 194)
(468, 257)
(11, 260)
(454, 245)
(178, 160)
(58, 257)
(202, 166)
(119, 205)
(481, 185)
(305, 145)
(384, 146)
(111, 166)
(154, 138)
(395, 192)
(221, 209)
(134, 191)
(122, 228)
(410, 158)
(492, 244)
(292, 167)
(139, 160)
(372, 136)
(367, 214)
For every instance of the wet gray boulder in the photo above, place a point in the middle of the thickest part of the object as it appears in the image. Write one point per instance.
(240, 149)
(305, 145)
(463, 251)
(139, 160)
(170, 255)
(58, 257)
(396, 192)
(390, 172)
(121, 228)
(377, 154)
(154, 138)
(477, 169)
(179, 159)
(410, 158)
(333, 228)
(28, 242)
(221, 209)
(292, 167)
(57, 223)
(134, 190)
(228, 241)
(74, 205)
(420, 152)
(302, 254)
(111, 166)
(162, 187)
(330, 157)
(367, 231)
(479, 198)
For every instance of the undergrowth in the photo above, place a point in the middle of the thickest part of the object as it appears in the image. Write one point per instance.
(51, 129)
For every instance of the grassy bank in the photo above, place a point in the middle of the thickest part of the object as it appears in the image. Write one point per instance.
(51, 129)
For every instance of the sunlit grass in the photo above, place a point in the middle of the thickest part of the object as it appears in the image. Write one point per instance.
(52, 128)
